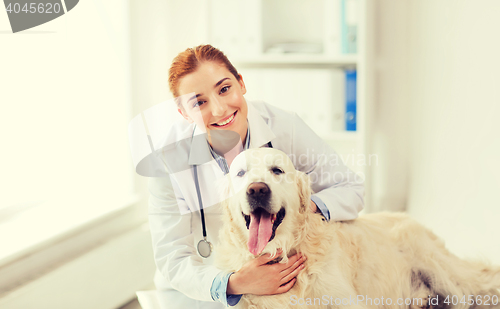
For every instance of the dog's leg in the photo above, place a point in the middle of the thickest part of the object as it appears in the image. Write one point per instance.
(466, 293)
(420, 290)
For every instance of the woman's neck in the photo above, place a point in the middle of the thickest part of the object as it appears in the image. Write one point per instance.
(231, 154)
(226, 143)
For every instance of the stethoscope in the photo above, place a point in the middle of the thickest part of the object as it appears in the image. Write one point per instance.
(204, 246)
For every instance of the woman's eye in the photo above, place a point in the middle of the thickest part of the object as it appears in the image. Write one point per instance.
(199, 103)
(277, 170)
(240, 173)
(225, 89)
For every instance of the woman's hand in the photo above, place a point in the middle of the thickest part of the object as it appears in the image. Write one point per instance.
(258, 278)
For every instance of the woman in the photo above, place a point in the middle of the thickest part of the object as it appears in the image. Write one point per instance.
(209, 94)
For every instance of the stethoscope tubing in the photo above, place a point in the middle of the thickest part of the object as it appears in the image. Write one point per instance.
(200, 203)
(202, 213)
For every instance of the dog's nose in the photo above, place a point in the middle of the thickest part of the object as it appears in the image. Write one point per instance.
(258, 190)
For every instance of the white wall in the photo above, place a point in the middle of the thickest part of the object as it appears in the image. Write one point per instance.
(389, 135)
(451, 55)
(64, 97)
(65, 103)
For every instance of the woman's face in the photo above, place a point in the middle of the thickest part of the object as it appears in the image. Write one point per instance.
(213, 99)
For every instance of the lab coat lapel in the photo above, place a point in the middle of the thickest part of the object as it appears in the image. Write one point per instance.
(260, 132)
(209, 171)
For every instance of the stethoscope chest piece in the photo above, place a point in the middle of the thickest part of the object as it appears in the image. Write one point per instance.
(204, 247)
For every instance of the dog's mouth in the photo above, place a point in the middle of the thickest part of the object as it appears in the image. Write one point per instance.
(262, 228)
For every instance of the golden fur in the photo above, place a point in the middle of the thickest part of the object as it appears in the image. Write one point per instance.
(378, 255)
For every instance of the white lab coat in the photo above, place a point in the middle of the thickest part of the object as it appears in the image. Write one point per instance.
(174, 218)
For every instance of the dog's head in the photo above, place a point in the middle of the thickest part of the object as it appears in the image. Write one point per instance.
(267, 197)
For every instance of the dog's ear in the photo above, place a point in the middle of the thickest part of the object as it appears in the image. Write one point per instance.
(304, 190)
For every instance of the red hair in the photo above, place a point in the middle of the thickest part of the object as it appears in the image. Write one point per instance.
(188, 61)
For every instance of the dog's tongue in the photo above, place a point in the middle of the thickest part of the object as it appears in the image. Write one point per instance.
(260, 231)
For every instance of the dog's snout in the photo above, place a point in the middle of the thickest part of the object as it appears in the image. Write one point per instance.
(258, 190)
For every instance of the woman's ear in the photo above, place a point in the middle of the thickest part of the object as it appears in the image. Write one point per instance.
(304, 190)
(242, 85)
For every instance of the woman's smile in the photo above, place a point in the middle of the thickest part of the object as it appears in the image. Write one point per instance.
(226, 122)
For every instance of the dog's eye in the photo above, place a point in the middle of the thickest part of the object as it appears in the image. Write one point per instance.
(277, 170)
(240, 173)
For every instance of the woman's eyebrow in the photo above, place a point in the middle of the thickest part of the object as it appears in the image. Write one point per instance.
(220, 82)
(200, 94)
(194, 97)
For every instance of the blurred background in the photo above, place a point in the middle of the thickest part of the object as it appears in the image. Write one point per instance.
(407, 92)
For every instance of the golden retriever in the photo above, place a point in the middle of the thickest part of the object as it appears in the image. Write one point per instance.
(383, 260)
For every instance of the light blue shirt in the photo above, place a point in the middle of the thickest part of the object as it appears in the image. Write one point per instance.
(219, 285)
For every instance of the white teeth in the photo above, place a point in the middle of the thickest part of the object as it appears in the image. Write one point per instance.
(226, 122)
